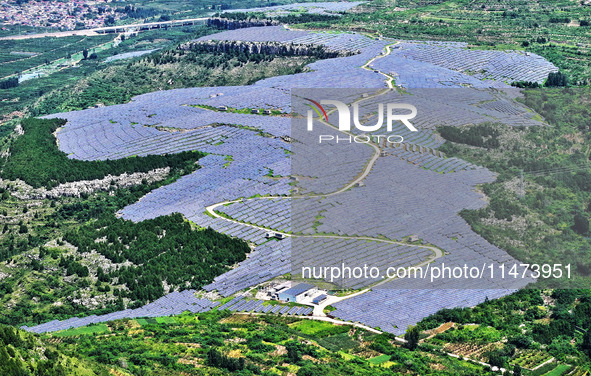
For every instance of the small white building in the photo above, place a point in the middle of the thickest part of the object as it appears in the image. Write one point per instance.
(274, 235)
(298, 293)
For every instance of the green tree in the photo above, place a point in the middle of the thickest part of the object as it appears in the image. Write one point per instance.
(556, 79)
(586, 345)
(517, 370)
(412, 337)
(293, 352)
(581, 224)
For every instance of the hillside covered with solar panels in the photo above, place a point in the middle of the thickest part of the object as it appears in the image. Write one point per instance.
(295, 188)
(261, 175)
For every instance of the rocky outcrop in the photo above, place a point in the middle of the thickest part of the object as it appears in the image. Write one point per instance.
(24, 191)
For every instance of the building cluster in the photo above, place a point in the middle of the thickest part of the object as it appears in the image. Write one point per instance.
(303, 293)
(67, 15)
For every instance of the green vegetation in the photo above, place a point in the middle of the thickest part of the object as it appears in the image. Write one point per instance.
(160, 249)
(23, 354)
(35, 158)
(556, 79)
(412, 337)
(57, 272)
(548, 221)
(91, 329)
(559, 370)
(170, 69)
(163, 10)
(54, 280)
(17, 56)
(9, 83)
(525, 329)
(481, 135)
(293, 18)
(246, 110)
(379, 359)
(319, 328)
(72, 256)
(218, 343)
(22, 99)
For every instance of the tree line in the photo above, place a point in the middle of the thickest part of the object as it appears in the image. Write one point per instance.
(483, 135)
(265, 48)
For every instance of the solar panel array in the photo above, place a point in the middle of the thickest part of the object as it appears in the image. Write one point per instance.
(339, 161)
(450, 107)
(128, 55)
(314, 8)
(257, 34)
(396, 200)
(268, 261)
(116, 132)
(422, 65)
(410, 199)
(414, 64)
(395, 310)
(337, 41)
(352, 253)
(269, 213)
(415, 155)
(422, 202)
(241, 304)
(211, 184)
(174, 303)
(504, 66)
